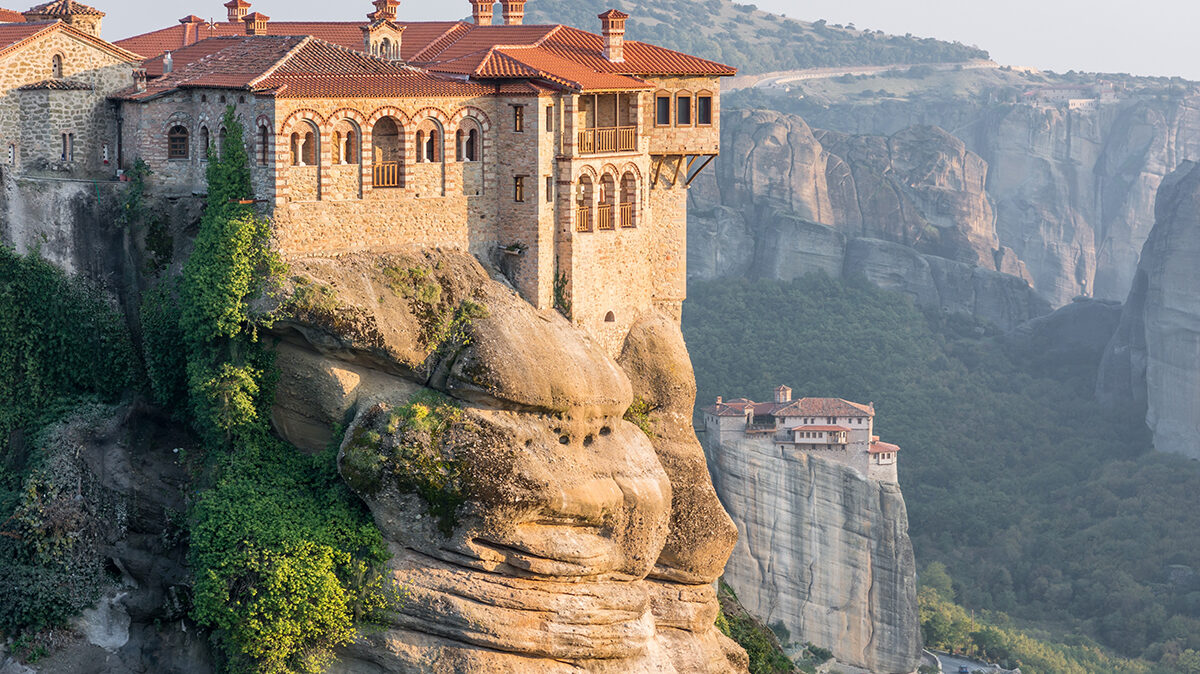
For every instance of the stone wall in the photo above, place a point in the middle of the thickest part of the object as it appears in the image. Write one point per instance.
(675, 139)
(36, 140)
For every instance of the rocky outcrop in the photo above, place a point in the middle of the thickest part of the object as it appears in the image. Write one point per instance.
(909, 211)
(573, 540)
(1073, 190)
(823, 550)
(1152, 356)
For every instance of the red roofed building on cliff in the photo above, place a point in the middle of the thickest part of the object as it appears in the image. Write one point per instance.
(560, 156)
(830, 428)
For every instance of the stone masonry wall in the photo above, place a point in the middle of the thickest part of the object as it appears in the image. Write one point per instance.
(84, 114)
(675, 139)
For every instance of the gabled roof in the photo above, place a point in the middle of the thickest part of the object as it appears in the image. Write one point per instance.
(295, 67)
(55, 84)
(558, 55)
(736, 408)
(11, 16)
(14, 36)
(824, 407)
(64, 8)
(877, 447)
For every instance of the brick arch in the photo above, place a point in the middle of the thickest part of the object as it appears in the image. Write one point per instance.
(388, 111)
(610, 168)
(587, 170)
(436, 114)
(477, 114)
(630, 167)
(346, 113)
(304, 114)
(179, 118)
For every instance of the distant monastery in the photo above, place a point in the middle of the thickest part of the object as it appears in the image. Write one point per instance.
(560, 155)
(830, 428)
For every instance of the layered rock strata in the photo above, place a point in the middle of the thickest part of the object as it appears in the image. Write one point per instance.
(823, 551)
(580, 542)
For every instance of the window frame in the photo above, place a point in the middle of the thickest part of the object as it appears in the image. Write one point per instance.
(707, 96)
(518, 118)
(679, 109)
(519, 189)
(180, 151)
(659, 98)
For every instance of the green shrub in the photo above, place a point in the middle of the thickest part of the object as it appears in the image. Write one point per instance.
(166, 362)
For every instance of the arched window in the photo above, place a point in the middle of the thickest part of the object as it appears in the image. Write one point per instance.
(472, 152)
(56, 66)
(420, 146)
(309, 155)
(177, 143)
(431, 147)
(459, 150)
(628, 200)
(204, 143)
(387, 153)
(608, 196)
(294, 144)
(337, 147)
(221, 135)
(264, 148)
(345, 143)
(429, 141)
(349, 153)
(385, 48)
(466, 140)
(583, 204)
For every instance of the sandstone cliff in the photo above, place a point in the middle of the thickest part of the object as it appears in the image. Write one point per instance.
(579, 542)
(1151, 359)
(1073, 189)
(824, 551)
(910, 212)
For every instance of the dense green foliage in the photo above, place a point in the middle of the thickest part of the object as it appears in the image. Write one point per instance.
(284, 555)
(61, 342)
(766, 654)
(1040, 503)
(751, 40)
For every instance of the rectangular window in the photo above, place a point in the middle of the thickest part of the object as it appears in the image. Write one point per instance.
(704, 110)
(518, 118)
(683, 111)
(70, 147)
(63, 155)
(662, 111)
(549, 118)
(549, 189)
(519, 189)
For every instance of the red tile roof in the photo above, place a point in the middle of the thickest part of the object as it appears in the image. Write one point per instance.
(11, 16)
(14, 36)
(298, 67)
(64, 8)
(881, 447)
(558, 55)
(825, 407)
(56, 85)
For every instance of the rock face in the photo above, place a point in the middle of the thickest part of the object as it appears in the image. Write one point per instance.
(581, 543)
(1073, 190)
(824, 551)
(1152, 356)
(909, 211)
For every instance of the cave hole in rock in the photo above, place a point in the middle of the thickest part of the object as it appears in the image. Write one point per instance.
(588, 440)
(610, 317)
(564, 440)
(605, 430)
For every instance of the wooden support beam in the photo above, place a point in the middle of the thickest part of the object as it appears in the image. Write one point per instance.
(658, 162)
(708, 160)
(678, 165)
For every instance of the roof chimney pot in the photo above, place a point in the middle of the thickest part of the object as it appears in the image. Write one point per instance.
(514, 12)
(612, 25)
(386, 9)
(482, 11)
(256, 23)
(236, 10)
(168, 63)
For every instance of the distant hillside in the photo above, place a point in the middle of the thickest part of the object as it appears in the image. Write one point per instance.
(752, 40)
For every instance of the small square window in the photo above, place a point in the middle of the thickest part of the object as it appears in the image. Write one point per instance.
(519, 189)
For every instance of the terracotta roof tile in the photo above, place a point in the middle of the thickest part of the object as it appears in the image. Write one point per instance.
(11, 16)
(14, 36)
(56, 85)
(824, 407)
(64, 8)
(877, 447)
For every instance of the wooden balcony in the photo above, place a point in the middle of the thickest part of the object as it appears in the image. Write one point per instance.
(604, 217)
(626, 211)
(583, 219)
(608, 139)
(386, 174)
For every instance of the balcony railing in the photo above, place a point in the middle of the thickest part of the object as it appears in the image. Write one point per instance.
(386, 174)
(583, 219)
(604, 219)
(608, 139)
(627, 215)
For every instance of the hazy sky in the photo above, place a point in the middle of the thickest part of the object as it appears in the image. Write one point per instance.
(1148, 37)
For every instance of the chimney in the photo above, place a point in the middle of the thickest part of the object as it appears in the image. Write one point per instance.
(256, 23)
(236, 10)
(612, 24)
(168, 63)
(718, 400)
(783, 394)
(139, 79)
(514, 12)
(386, 9)
(191, 28)
(482, 11)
